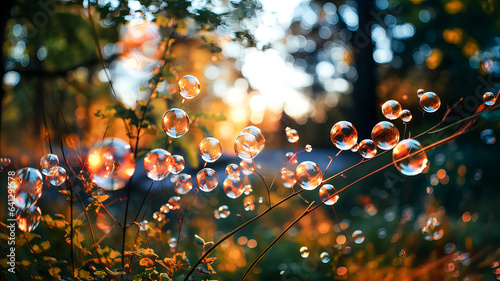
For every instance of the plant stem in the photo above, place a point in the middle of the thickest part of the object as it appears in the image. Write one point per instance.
(274, 242)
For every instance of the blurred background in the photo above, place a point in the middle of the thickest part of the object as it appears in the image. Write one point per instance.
(273, 64)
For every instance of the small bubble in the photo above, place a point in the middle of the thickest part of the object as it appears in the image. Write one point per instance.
(358, 236)
(29, 218)
(261, 200)
(325, 257)
(210, 149)
(343, 135)
(430, 102)
(144, 226)
(183, 184)
(172, 242)
(175, 122)
(385, 135)
(288, 177)
(489, 98)
(48, 161)
(308, 175)
(291, 158)
(420, 92)
(189, 86)
(412, 165)
(233, 187)
(391, 109)
(304, 252)
(249, 206)
(178, 164)
(367, 148)
(247, 189)
(325, 194)
(158, 164)
(57, 176)
(309, 148)
(223, 211)
(247, 167)
(232, 171)
(405, 115)
(291, 135)
(207, 179)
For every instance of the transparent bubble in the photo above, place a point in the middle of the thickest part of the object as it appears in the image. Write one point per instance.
(246, 146)
(358, 236)
(175, 122)
(385, 135)
(355, 147)
(309, 148)
(291, 158)
(210, 149)
(250, 150)
(247, 167)
(143, 226)
(260, 200)
(325, 257)
(247, 189)
(391, 109)
(420, 92)
(414, 164)
(189, 86)
(178, 164)
(405, 115)
(430, 102)
(291, 135)
(27, 185)
(183, 184)
(233, 171)
(489, 98)
(488, 136)
(142, 43)
(343, 135)
(308, 175)
(172, 242)
(233, 188)
(111, 163)
(48, 161)
(367, 148)
(207, 179)
(325, 192)
(249, 206)
(158, 164)
(288, 177)
(57, 176)
(29, 218)
(432, 229)
(382, 233)
(304, 252)
(223, 211)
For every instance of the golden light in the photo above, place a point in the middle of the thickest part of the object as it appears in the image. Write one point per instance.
(257, 102)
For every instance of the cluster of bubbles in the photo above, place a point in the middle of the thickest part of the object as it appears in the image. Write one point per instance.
(27, 186)
(432, 230)
(222, 212)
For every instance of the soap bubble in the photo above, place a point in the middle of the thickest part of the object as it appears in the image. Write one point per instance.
(172, 242)
(325, 192)
(233, 188)
(143, 225)
(249, 206)
(233, 171)
(325, 257)
(309, 148)
(430, 102)
(385, 135)
(183, 184)
(304, 252)
(207, 179)
(405, 115)
(29, 218)
(142, 43)
(48, 161)
(178, 164)
(414, 164)
(367, 148)
(246, 146)
(343, 135)
(247, 167)
(391, 109)
(308, 175)
(358, 236)
(210, 149)
(291, 158)
(250, 149)
(291, 135)
(57, 176)
(223, 211)
(489, 98)
(175, 122)
(288, 177)
(420, 92)
(111, 163)
(189, 86)
(27, 185)
(488, 136)
(158, 164)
